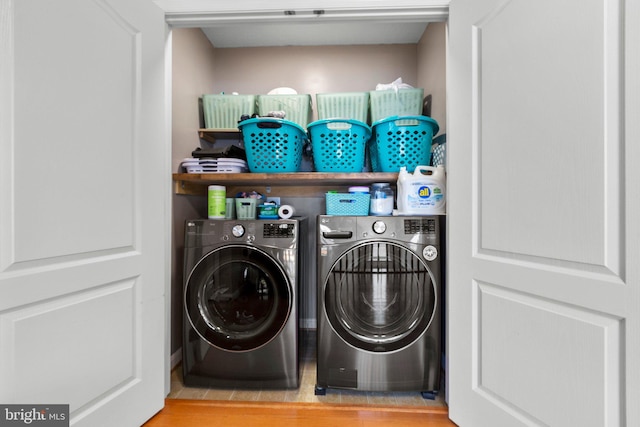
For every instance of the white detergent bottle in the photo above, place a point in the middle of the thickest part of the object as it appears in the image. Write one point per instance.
(423, 192)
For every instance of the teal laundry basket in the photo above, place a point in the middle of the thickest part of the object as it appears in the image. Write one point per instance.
(339, 145)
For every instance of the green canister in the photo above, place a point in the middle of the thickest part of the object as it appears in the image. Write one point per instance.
(217, 201)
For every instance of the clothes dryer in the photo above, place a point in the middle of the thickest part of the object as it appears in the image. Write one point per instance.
(242, 283)
(379, 310)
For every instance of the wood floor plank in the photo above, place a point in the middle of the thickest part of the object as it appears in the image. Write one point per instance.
(201, 413)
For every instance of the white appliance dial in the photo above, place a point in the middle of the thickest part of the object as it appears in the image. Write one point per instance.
(379, 227)
(430, 253)
(237, 230)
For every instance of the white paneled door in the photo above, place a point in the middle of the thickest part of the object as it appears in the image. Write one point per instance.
(84, 197)
(544, 213)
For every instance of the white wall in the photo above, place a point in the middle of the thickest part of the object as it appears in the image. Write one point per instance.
(193, 72)
(432, 70)
(314, 69)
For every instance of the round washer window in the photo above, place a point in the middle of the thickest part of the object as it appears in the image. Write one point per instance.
(379, 296)
(238, 298)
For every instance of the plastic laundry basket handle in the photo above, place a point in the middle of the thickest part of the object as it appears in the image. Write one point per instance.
(424, 170)
(407, 121)
(339, 125)
(269, 125)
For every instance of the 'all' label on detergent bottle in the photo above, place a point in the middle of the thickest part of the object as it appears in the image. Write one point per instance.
(423, 192)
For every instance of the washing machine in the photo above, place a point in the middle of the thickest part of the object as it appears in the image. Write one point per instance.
(242, 286)
(379, 310)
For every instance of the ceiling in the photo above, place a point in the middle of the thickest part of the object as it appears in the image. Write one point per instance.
(233, 24)
(314, 34)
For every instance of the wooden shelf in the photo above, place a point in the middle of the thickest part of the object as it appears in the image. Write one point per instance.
(301, 184)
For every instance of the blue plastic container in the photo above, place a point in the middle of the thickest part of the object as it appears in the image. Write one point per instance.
(348, 204)
(273, 145)
(401, 141)
(339, 145)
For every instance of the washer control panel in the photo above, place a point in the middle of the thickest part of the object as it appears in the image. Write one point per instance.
(278, 230)
(379, 227)
(237, 230)
(422, 226)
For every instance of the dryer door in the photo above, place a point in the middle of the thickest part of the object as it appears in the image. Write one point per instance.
(238, 298)
(380, 296)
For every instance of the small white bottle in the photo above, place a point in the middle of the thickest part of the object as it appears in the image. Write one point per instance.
(381, 199)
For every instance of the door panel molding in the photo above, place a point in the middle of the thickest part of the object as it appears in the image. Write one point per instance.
(38, 350)
(72, 277)
(524, 173)
(77, 188)
(534, 349)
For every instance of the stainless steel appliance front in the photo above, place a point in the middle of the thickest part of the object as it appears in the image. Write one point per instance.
(241, 287)
(379, 310)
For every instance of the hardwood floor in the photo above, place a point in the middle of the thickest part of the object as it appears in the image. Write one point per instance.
(304, 393)
(202, 413)
(202, 407)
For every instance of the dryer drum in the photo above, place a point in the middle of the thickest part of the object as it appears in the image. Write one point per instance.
(380, 296)
(238, 298)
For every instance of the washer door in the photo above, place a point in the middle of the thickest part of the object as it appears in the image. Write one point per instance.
(238, 298)
(379, 296)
